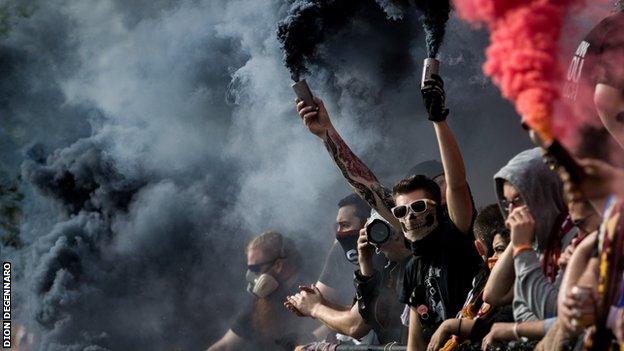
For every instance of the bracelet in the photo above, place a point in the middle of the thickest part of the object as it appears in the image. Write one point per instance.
(459, 328)
(518, 249)
(515, 331)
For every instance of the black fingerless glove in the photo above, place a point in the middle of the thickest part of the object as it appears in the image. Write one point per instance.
(434, 98)
(367, 291)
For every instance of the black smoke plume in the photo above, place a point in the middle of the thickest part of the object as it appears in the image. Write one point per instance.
(435, 14)
(118, 237)
(310, 22)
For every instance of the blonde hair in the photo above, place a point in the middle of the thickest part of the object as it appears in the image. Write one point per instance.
(269, 242)
(275, 245)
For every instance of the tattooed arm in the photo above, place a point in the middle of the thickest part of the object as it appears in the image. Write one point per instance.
(359, 177)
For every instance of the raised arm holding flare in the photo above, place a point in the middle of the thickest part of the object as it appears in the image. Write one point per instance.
(459, 201)
(357, 174)
(439, 275)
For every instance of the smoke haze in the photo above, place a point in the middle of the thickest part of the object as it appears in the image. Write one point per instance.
(144, 142)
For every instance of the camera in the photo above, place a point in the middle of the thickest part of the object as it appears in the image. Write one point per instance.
(378, 230)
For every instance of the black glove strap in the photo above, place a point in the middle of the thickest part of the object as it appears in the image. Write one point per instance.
(367, 291)
(365, 285)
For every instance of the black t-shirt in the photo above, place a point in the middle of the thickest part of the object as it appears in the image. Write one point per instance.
(598, 59)
(267, 325)
(384, 305)
(338, 274)
(439, 275)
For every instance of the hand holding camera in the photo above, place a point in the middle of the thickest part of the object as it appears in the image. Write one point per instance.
(365, 254)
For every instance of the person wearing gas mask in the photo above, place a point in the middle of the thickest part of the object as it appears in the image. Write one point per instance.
(273, 265)
(376, 305)
(444, 261)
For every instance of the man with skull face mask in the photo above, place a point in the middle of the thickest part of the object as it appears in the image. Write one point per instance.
(273, 271)
(439, 275)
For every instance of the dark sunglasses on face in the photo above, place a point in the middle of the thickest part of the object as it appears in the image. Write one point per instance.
(257, 268)
(516, 202)
(416, 207)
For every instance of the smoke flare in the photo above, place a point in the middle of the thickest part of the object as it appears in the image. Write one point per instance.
(522, 55)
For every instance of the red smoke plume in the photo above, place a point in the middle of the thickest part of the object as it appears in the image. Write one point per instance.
(522, 56)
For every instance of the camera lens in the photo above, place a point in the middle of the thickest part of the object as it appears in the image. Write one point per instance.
(378, 233)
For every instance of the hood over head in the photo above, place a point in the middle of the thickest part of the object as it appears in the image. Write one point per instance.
(540, 188)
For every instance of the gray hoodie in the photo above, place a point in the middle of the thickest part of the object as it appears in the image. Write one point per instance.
(535, 297)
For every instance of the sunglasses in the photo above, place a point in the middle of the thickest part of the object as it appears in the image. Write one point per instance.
(516, 202)
(418, 206)
(257, 268)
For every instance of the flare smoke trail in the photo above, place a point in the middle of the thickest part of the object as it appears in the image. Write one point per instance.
(309, 22)
(434, 18)
(144, 142)
(522, 58)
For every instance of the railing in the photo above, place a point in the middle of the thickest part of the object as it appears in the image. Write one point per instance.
(388, 347)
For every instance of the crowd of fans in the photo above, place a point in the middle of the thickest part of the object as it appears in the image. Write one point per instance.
(420, 266)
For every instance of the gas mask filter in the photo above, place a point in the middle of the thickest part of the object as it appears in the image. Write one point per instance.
(261, 285)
